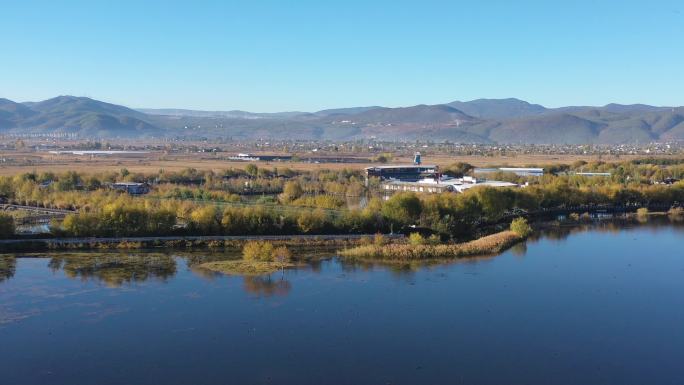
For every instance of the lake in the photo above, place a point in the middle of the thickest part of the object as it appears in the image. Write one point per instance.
(600, 304)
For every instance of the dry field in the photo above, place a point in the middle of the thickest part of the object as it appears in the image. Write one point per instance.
(12, 163)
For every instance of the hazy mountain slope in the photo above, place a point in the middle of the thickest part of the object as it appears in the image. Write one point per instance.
(73, 105)
(632, 108)
(220, 114)
(498, 108)
(12, 110)
(86, 117)
(548, 128)
(675, 133)
(478, 121)
(345, 111)
(421, 114)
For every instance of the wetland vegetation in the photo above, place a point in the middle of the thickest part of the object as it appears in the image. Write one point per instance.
(201, 203)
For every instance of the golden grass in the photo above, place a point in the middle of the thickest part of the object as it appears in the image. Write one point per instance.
(490, 244)
(242, 267)
(151, 163)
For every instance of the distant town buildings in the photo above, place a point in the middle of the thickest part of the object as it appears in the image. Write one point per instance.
(405, 173)
(444, 184)
(519, 171)
(425, 179)
(601, 174)
(244, 157)
(131, 187)
(100, 152)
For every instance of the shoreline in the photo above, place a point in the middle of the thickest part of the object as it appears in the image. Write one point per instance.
(487, 245)
(179, 242)
(218, 242)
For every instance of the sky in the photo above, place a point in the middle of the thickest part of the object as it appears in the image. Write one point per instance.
(268, 56)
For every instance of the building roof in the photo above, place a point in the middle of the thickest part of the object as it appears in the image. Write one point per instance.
(403, 166)
(530, 169)
(458, 184)
(128, 184)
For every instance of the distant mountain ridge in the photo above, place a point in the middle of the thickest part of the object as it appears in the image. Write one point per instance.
(477, 121)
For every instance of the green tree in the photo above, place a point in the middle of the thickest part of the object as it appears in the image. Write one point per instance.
(311, 221)
(258, 251)
(402, 208)
(205, 219)
(252, 169)
(521, 227)
(291, 191)
(416, 239)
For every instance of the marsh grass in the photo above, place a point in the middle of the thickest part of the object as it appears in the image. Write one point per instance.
(491, 244)
(676, 214)
(242, 267)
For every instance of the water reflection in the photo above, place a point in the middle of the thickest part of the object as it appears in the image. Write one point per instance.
(561, 230)
(519, 249)
(8, 266)
(267, 286)
(115, 269)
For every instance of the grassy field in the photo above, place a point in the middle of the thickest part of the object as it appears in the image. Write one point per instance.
(21, 162)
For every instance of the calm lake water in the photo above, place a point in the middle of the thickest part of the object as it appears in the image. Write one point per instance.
(587, 306)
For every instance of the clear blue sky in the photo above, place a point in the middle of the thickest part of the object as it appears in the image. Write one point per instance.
(308, 55)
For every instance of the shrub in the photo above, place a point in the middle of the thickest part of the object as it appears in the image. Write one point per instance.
(521, 227)
(281, 255)
(291, 191)
(676, 213)
(311, 221)
(258, 251)
(379, 240)
(434, 240)
(416, 239)
(642, 212)
(402, 208)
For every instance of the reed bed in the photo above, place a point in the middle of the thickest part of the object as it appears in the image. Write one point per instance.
(251, 268)
(490, 244)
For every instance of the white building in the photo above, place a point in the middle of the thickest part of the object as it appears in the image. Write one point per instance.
(519, 171)
(445, 184)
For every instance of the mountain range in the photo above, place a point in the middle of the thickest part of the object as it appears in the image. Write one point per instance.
(490, 121)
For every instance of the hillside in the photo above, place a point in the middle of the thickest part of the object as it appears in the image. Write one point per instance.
(477, 121)
(498, 108)
(77, 115)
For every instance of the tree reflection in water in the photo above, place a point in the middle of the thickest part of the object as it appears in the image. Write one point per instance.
(115, 269)
(266, 286)
(519, 249)
(8, 266)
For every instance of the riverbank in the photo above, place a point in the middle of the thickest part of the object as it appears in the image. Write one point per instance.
(188, 242)
(487, 245)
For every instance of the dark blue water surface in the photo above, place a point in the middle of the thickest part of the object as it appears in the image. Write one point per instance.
(597, 306)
